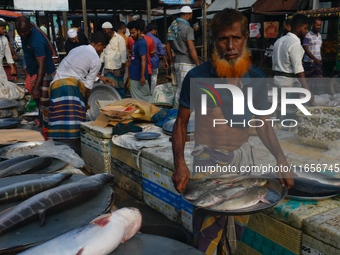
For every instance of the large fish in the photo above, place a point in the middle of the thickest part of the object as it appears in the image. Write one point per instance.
(100, 237)
(199, 187)
(22, 190)
(317, 176)
(57, 198)
(27, 166)
(218, 195)
(10, 162)
(312, 184)
(249, 197)
(307, 187)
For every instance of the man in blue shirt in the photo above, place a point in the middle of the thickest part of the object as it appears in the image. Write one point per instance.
(40, 65)
(159, 52)
(139, 87)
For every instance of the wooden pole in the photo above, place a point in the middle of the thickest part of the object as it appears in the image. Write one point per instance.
(148, 10)
(65, 25)
(86, 30)
(205, 32)
(236, 5)
(165, 24)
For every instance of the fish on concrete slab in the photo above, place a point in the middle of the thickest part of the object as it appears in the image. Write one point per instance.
(23, 190)
(102, 236)
(55, 199)
(10, 162)
(27, 166)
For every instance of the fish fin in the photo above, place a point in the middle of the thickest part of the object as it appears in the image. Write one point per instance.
(80, 251)
(265, 201)
(42, 217)
(102, 220)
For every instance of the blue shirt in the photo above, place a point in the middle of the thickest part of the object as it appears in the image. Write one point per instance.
(223, 97)
(159, 51)
(139, 49)
(37, 46)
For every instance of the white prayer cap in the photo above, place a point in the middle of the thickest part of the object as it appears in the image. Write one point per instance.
(72, 33)
(186, 9)
(107, 25)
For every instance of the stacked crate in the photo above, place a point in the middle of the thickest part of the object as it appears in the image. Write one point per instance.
(280, 229)
(96, 147)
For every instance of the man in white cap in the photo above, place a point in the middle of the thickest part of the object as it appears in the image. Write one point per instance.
(181, 41)
(74, 39)
(114, 58)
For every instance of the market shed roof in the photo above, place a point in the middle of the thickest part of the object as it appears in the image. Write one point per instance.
(98, 5)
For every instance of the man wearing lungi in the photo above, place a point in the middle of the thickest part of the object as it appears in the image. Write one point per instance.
(139, 86)
(114, 58)
(70, 90)
(181, 40)
(40, 66)
(225, 145)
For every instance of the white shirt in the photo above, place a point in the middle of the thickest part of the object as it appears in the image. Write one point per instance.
(114, 55)
(287, 58)
(82, 63)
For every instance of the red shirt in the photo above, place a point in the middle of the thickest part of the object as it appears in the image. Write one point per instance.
(151, 49)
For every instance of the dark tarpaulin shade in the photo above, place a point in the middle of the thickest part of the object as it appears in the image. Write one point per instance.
(280, 7)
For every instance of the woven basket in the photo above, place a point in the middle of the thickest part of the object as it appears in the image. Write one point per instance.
(320, 128)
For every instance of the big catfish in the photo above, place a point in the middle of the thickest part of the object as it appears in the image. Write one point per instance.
(54, 199)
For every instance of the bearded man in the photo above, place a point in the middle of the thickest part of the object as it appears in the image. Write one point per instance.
(224, 145)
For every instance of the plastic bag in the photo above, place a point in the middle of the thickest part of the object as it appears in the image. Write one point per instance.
(164, 93)
(62, 152)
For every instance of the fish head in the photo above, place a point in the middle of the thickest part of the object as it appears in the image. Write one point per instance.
(262, 192)
(261, 182)
(133, 221)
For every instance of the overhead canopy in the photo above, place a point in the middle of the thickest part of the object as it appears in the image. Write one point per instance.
(276, 7)
(219, 5)
(322, 13)
(99, 5)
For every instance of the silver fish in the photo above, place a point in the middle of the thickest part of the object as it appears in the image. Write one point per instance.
(217, 196)
(197, 188)
(317, 176)
(100, 237)
(57, 198)
(249, 197)
(26, 189)
(227, 191)
(27, 166)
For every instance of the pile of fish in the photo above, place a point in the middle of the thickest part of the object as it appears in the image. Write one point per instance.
(100, 237)
(24, 165)
(54, 199)
(227, 194)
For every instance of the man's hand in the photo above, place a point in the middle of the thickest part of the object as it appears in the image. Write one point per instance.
(180, 178)
(318, 62)
(106, 80)
(36, 93)
(286, 178)
(142, 81)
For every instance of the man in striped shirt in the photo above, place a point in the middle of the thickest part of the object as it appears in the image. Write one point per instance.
(312, 58)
